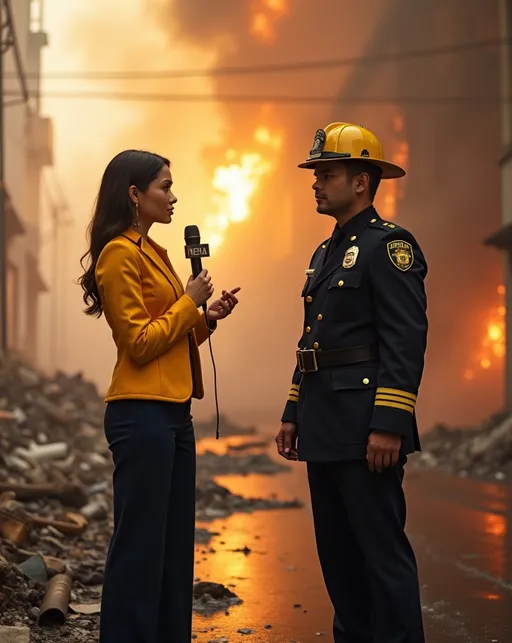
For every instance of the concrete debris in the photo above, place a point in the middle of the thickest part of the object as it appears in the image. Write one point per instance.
(483, 451)
(14, 634)
(56, 501)
(226, 464)
(209, 598)
(203, 536)
(226, 428)
(215, 501)
(245, 446)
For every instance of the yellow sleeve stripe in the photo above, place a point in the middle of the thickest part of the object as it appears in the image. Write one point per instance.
(395, 405)
(395, 398)
(396, 391)
(293, 395)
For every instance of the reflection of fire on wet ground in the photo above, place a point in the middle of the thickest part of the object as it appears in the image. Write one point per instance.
(245, 457)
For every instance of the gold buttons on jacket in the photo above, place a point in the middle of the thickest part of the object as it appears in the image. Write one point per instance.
(353, 237)
(341, 283)
(320, 317)
(373, 221)
(308, 329)
(366, 381)
(323, 245)
(309, 299)
(316, 345)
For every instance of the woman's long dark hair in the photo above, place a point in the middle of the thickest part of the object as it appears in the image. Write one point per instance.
(114, 212)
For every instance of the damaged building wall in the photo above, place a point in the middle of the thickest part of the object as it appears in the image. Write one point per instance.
(28, 142)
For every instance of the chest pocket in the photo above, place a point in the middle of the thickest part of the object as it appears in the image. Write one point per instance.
(343, 291)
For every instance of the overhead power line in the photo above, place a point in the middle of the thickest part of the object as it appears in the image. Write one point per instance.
(282, 99)
(278, 68)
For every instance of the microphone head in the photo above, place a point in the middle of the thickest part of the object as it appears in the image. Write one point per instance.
(192, 235)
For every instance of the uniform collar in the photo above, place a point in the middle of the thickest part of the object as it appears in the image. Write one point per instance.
(358, 222)
(350, 232)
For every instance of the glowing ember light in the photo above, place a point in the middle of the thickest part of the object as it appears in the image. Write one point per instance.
(235, 184)
(265, 16)
(494, 332)
(265, 137)
(492, 348)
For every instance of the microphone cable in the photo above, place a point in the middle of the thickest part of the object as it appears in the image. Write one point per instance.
(215, 391)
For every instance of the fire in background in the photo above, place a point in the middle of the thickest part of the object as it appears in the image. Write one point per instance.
(491, 352)
(236, 181)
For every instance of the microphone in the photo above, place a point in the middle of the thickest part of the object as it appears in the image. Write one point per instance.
(194, 250)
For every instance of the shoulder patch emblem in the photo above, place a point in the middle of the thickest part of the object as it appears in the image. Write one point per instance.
(350, 258)
(401, 254)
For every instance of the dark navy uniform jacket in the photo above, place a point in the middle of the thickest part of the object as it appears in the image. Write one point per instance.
(369, 291)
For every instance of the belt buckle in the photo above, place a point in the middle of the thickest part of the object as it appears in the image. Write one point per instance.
(306, 360)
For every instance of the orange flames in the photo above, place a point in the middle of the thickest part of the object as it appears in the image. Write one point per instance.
(492, 348)
(265, 16)
(393, 191)
(236, 182)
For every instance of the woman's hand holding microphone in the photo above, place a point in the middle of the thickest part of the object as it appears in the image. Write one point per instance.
(200, 290)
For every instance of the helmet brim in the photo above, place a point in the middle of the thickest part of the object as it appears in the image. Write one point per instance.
(389, 170)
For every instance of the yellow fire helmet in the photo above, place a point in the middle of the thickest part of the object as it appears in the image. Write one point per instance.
(345, 142)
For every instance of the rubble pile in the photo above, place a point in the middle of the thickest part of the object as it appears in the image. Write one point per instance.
(55, 498)
(242, 465)
(213, 597)
(484, 451)
(215, 501)
(226, 428)
(55, 503)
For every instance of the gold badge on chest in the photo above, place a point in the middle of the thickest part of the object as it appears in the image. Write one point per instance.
(350, 258)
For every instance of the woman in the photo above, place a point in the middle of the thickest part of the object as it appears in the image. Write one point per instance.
(157, 327)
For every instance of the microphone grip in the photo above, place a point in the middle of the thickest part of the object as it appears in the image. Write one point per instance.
(197, 266)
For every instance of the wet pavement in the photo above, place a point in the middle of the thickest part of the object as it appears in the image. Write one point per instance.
(460, 529)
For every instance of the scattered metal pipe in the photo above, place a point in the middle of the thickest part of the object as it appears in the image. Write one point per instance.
(54, 607)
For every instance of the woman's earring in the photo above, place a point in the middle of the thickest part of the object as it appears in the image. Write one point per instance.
(136, 222)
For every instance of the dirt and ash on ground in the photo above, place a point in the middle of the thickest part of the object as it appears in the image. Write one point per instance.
(56, 498)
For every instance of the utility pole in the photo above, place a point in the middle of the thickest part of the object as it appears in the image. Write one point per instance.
(505, 21)
(8, 41)
(502, 238)
(4, 39)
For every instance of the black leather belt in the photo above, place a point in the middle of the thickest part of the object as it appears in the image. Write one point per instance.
(310, 360)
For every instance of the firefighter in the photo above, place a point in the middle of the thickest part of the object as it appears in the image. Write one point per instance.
(350, 413)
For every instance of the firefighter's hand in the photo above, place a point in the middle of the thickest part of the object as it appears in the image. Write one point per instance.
(383, 450)
(286, 441)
